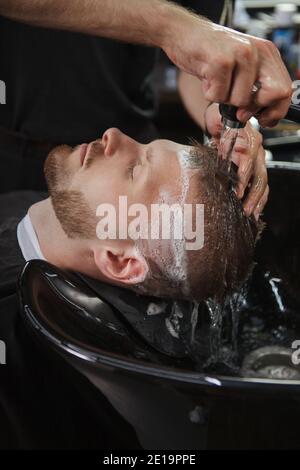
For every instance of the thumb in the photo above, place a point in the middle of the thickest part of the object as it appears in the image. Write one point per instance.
(213, 122)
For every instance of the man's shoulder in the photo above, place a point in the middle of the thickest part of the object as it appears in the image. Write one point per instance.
(11, 259)
(13, 207)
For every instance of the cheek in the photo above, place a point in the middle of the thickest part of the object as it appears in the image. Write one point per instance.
(103, 186)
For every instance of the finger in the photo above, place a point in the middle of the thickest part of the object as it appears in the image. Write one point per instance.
(218, 131)
(242, 144)
(270, 116)
(261, 204)
(245, 171)
(245, 153)
(275, 90)
(217, 80)
(213, 120)
(227, 144)
(245, 113)
(258, 185)
(245, 74)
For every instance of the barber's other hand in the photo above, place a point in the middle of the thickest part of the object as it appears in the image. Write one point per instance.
(229, 63)
(249, 155)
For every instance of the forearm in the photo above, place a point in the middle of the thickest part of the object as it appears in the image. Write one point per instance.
(139, 21)
(192, 95)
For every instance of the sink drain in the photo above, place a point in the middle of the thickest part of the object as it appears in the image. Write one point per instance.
(272, 362)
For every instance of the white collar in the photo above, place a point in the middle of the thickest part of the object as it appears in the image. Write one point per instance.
(28, 240)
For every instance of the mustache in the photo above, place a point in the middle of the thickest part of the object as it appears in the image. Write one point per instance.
(95, 151)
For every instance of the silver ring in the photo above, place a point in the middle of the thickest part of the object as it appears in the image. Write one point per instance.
(256, 87)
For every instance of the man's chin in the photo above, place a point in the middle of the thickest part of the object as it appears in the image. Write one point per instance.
(55, 167)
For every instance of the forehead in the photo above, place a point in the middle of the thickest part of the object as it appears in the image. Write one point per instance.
(173, 163)
(168, 162)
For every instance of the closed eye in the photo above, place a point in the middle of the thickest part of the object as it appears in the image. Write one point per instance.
(131, 168)
(139, 163)
(130, 171)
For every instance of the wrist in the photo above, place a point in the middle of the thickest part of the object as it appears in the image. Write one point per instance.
(174, 21)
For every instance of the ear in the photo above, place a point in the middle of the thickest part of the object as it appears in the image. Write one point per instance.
(126, 266)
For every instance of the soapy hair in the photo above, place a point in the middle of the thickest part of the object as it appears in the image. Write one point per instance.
(225, 261)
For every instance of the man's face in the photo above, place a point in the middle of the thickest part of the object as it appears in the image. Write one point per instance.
(118, 165)
(162, 172)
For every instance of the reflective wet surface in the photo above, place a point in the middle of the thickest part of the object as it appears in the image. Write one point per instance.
(274, 362)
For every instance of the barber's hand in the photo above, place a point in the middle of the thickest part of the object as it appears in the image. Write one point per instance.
(229, 63)
(249, 155)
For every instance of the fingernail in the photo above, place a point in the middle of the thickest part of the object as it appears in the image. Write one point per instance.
(248, 210)
(256, 215)
(241, 192)
(262, 123)
(244, 116)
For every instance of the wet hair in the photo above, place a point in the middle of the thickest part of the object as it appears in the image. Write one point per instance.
(225, 261)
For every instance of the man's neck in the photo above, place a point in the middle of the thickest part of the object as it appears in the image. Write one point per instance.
(56, 247)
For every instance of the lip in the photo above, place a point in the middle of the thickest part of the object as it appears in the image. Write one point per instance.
(83, 153)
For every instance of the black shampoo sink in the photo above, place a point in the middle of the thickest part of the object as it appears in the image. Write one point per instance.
(234, 386)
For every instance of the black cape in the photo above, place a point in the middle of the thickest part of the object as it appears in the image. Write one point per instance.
(44, 403)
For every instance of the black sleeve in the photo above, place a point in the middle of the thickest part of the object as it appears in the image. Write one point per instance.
(211, 9)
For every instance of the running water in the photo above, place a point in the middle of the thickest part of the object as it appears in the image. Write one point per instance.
(224, 348)
(215, 311)
(173, 321)
(194, 320)
(227, 143)
(224, 318)
(236, 303)
(221, 341)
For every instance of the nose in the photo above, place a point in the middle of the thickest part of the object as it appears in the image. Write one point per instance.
(113, 140)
